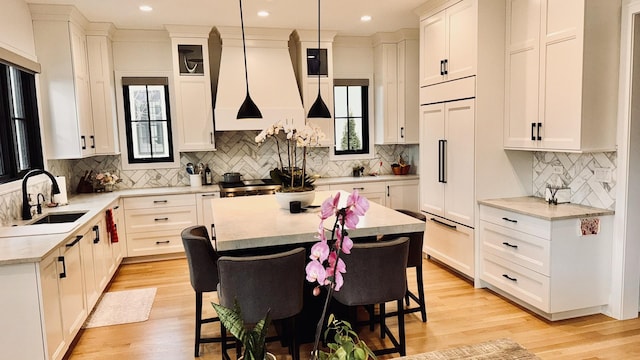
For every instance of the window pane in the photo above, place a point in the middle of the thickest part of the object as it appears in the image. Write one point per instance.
(351, 137)
(138, 102)
(17, 103)
(339, 126)
(157, 103)
(340, 101)
(159, 139)
(141, 140)
(22, 145)
(355, 101)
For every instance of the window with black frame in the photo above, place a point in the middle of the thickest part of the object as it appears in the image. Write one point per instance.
(147, 120)
(351, 116)
(20, 142)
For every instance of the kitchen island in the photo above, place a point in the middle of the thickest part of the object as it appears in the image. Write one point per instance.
(243, 223)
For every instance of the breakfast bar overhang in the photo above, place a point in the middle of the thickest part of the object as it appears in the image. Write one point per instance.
(252, 222)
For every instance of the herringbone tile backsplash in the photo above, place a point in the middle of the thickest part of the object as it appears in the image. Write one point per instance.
(578, 173)
(237, 152)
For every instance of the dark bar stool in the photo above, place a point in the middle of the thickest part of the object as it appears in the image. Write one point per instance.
(266, 282)
(414, 260)
(362, 283)
(203, 272)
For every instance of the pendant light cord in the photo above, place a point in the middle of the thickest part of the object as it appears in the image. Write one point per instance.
(319, 57)
(244, 47)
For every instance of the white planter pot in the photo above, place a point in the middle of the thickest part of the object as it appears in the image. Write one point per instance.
(305, 198)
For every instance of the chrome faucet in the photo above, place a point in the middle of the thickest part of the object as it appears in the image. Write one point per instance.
(26, 207)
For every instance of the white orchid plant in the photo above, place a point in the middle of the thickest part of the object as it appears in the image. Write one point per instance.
(292, 176)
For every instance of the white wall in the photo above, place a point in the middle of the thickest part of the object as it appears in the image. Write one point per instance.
(352, 55)
(16, 31)
(142, 50)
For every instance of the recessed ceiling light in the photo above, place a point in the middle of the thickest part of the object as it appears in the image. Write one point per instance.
(365, 18)
(145, 8)
(263, 13)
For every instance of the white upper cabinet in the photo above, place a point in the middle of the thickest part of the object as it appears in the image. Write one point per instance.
(77, 93)
(192, 80)
(396, 87)
(450, 37)
(64, 82)
(103, 101)
(561, 74)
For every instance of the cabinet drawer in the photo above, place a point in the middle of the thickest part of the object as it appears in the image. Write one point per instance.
(174, 218)
(452, 246)
(520, 282)
(159, 202)
(523, 249)
(516, 221)
(363, 188)
(154, 243)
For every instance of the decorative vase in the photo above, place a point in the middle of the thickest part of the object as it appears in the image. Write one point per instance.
(305, 198)
(108, 187)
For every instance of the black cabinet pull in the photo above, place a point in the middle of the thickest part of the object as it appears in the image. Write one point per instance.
(162, 242)
(539, 127)
(84, 142)
(116, 207)
(93, 141)
(510, 220)
(358, 188)
(63, 274)
(443, 223)
(161, 219)
(160, 201)
(510, 245)
(446, 66)
(509, 277)
(441, 67)
(402, 132)
(533, 127)
(388, 191)
(209, 195)
(74, 242)
(442, 161)
(96, 229)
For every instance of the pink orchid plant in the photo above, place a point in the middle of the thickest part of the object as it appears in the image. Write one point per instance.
(326, 267)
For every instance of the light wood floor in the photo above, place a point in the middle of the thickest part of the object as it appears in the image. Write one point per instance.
(457, 313)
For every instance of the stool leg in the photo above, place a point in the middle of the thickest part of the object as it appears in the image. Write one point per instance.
(423, 306)
(198, 322)
(383, 324)
(401, 334)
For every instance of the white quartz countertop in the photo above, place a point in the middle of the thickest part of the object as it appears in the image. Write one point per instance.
(538, 207)
(258, 221)
(32, 243)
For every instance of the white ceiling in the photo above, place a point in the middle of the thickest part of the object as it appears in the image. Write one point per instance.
(339, 15)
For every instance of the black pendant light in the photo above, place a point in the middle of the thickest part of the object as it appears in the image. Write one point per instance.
(319, 108)
(248, 109)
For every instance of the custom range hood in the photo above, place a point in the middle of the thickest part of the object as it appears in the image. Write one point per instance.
(272, 80)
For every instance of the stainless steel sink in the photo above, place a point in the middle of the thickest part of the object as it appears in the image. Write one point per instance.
(58, 218)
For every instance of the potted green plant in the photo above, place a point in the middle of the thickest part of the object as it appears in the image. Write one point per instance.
(253, 340)
(345, 343)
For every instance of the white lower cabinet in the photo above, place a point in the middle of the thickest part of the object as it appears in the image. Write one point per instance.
(54, 337)
(154, 223)
(72, 298)
(546, 265)
(404, 194)
(450, 243)
(374, 191)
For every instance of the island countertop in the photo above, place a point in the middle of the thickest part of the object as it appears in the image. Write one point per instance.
(258, 221)
(537, 207)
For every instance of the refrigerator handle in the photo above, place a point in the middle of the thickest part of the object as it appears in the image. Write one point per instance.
(440, 148)
(444, 161)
